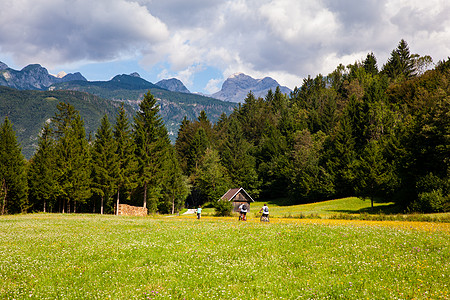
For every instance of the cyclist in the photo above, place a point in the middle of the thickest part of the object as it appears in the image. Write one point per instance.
(265, 212)
(243, 212)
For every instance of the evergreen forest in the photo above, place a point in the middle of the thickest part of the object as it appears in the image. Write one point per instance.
(379, 133)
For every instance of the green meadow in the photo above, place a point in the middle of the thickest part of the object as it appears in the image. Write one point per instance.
(55, 256)
(345, 208)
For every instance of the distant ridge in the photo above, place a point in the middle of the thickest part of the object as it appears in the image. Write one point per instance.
(32, 77)
(238, 85)
(29, 110)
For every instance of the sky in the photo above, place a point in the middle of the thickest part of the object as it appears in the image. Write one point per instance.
(203, 42)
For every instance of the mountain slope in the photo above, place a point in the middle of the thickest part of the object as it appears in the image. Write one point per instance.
(29, 110)
(237, 86)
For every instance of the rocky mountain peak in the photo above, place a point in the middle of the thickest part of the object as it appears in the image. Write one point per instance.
(238, 85)
(73, 76)
(173, 85)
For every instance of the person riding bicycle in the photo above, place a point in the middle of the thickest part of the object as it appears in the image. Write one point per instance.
(243, 212)
(265, 211)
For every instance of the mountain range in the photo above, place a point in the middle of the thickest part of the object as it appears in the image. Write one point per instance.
(237, 86)
(174, 106)
(29, 97)
(32, 77)
(234, 89)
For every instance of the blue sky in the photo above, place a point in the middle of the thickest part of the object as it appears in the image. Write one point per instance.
(202, 42)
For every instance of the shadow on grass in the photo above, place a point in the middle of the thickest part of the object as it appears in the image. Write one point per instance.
(281, 202)
(386, 209)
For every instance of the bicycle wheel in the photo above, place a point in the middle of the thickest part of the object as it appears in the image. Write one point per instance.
(264, 218)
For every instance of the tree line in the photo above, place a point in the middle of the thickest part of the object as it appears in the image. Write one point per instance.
(381, 134)
(124, 162)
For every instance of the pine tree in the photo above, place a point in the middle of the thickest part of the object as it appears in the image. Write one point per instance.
(375, 177)
(253, 116)
(401, 63)
(126, 177)
(236, 156)
(104, 163)
(182, 144)
(13, 178)
(41, 174)
(151, 147)
(272, 161)
(370, 64)
(341, 156)
(175, 184)
(72, 158)
(204, 123)
(406, 60)
(197, 149)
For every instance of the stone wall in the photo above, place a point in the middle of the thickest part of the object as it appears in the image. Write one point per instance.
(128, 210)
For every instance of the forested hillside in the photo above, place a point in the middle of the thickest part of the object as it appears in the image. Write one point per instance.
(377, 133)
(29, 110)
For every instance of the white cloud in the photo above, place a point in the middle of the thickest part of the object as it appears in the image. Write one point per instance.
(294, 20)
(213, 85)
(58, 32)
(284, 39)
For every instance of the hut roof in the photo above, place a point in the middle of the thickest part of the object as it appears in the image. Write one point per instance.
(229, 196)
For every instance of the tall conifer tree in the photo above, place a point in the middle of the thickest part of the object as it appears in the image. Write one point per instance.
(72, 158)
(13, 179)
(41, 174)
(401, 63)
(126, 177)
(151, 146)
(236, 157)
(375, 177)
(104, 162)
(175, 185)
(182, 144)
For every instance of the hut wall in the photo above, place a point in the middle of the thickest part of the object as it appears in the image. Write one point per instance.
(240, 197)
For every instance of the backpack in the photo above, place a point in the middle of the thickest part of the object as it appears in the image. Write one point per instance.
(265, 209)
(243, 207)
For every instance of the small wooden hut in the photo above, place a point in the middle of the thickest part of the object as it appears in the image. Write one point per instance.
(238, 196)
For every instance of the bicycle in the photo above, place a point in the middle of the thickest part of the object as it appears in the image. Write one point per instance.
(264, 218)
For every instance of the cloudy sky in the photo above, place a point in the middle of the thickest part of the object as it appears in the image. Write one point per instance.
(202, 42)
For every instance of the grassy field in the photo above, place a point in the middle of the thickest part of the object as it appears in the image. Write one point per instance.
(345, 208)
(53, 256)
(351, 205)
